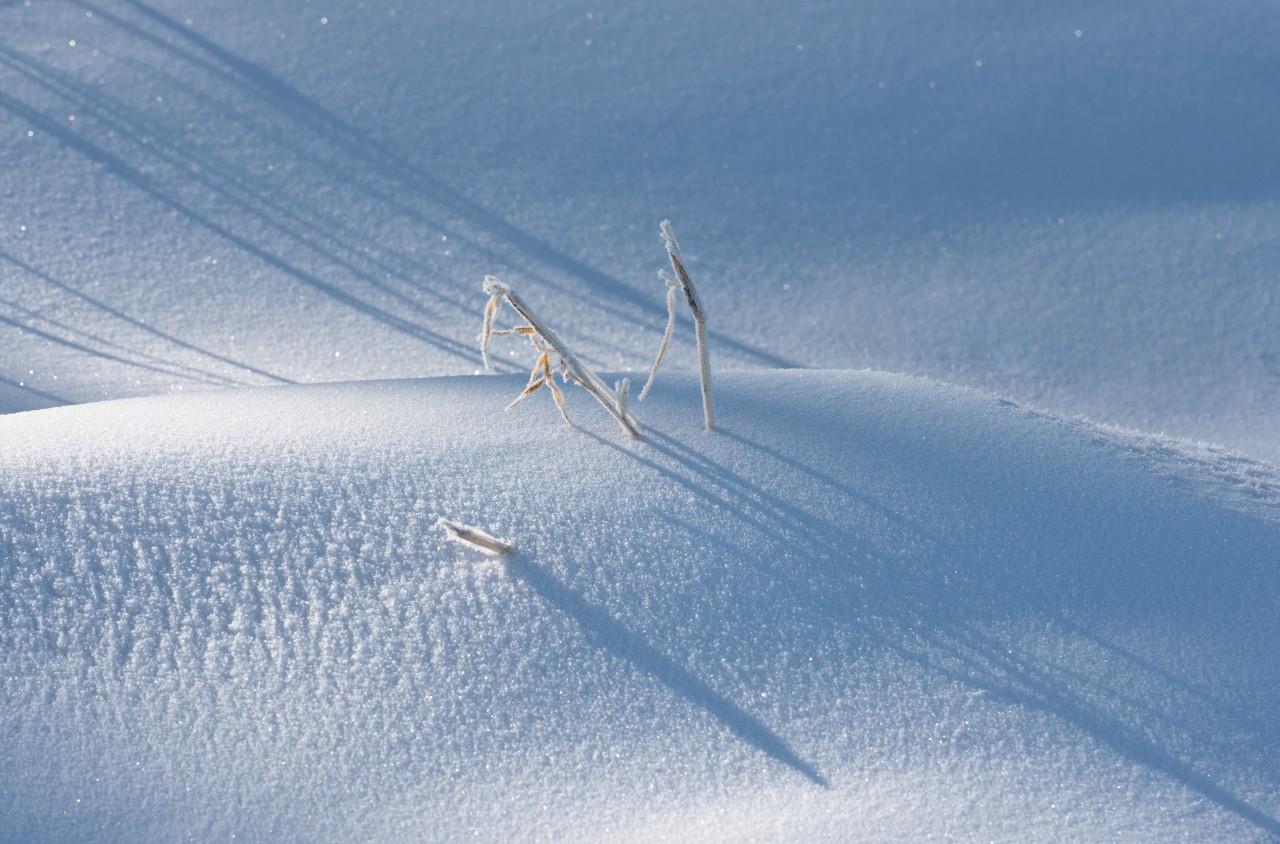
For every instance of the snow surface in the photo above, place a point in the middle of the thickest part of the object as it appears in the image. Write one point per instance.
(1071, 203)
(871, 607)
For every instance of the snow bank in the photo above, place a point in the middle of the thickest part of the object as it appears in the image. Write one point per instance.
(870, 606)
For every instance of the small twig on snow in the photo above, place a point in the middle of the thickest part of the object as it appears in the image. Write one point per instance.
(475, 537)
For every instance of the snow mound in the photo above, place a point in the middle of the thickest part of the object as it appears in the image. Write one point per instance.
(870, 603)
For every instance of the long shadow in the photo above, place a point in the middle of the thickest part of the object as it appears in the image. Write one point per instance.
(136, 323)
(209, 174)
(47, 396)
(1269, 732)
(773, 518)
(390, 165)
(992, 667)
(176, 369)
(1036, 689)
(392, 261)
(933, 612)
(614, 637)
(212, 175)
(139, 180)
(83, 349)
(729, 505)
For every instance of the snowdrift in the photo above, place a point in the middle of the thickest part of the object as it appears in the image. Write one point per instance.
(871, 606)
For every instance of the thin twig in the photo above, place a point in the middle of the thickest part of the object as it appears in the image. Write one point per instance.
(621, 390)
(699, 320)
(672, 287)
(475, 537)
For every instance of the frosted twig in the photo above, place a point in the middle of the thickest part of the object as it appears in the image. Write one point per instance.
(546, 341)
(699, 322)
(621, 390)
(556, 395)
(535, 382)
(672, 287)
(475, 537)
(486, 330)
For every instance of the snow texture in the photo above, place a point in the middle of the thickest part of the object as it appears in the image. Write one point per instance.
(869, 604)
(872, 606)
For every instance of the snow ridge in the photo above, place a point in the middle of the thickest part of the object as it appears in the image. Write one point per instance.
(233, 614)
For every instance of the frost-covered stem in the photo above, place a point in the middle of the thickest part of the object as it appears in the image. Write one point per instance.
(621, 390)
(486, 332)
(672, 286)
(699, 321)
(704, 374)
(588, 380)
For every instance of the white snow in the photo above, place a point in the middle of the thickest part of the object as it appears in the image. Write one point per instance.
(870, 606)
(242, 243)
(1072, 204)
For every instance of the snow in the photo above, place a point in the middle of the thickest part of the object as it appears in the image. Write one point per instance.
(1026, 588)
(869, 602)
(1071, 204)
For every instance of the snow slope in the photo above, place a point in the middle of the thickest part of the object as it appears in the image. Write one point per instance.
(872, 606)
(1070, 203)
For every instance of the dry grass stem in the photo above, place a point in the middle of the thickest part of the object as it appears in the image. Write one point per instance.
(621, 392)
(545, 342)
(699, 324)
(672, 287)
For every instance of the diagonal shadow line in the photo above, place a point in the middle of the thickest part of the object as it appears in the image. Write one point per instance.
(179, 370)
(1012, 678)
(1036, 689)
(214, 176)
(614, 637)
(391, 260)
(80, 347)
(398, 172)
(749, 503)
(391, 165)
(727, 504)
(1268, 733)
(139, 180)
(333, 169)
(33, 391)
(142, 326)
(1094, 694)
(799, 520)
(1002, 682)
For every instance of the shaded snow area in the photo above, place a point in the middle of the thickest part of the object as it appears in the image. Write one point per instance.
(1073, 204)
(871, 607)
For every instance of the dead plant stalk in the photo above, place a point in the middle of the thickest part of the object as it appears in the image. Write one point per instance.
(570, 366)
(699, 324)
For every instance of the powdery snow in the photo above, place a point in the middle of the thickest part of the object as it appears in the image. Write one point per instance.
(870, 607)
